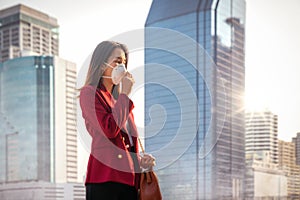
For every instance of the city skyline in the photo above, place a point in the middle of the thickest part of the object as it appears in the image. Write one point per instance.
(271, 46)
(263, 104)
(257, 42)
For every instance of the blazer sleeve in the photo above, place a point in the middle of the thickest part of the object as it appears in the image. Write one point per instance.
(99, 117)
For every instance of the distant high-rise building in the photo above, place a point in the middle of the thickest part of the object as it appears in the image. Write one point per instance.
(262, 133)
(24, 31)
(287, 163)
(38, 120)
(194, 69)
(286, 158)
(296, 141)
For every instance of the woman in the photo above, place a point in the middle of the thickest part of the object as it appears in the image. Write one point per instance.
(114, 163)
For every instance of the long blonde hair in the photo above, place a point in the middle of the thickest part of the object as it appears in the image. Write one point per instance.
(97, 65)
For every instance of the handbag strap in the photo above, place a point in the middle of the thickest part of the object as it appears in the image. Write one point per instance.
(143, 151)
(142, 148)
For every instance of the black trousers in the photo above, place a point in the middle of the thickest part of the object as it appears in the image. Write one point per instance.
(110, 191)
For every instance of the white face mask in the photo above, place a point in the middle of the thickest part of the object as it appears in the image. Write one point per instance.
(117, 74)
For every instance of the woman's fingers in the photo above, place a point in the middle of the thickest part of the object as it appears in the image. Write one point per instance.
(130, 77)
(148, 161)
(127, 83)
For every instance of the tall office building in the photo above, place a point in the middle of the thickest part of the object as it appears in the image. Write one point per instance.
(287, 163)
(296, 141)
(194, 84)
(23, 30)
(262, 133)
(38, 120)
(286, 151)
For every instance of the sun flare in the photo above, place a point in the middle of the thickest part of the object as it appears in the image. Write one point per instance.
(255, 102)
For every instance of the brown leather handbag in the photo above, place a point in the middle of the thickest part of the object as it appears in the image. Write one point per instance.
(149, 185)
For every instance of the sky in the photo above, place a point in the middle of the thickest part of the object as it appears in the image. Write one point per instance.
(272, 61)
(272, 45)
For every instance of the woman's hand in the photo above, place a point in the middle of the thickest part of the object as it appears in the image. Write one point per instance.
(147, 161)
(127, 83)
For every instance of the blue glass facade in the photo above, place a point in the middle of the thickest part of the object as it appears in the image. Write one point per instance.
(194, 82)
(25, 113)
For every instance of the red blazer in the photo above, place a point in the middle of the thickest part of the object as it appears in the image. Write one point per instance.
(105, 120)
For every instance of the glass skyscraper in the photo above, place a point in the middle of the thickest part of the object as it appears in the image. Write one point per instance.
(26, 113)
(194, 87)
(38, 120)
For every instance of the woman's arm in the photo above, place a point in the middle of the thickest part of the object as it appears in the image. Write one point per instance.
(97, 114)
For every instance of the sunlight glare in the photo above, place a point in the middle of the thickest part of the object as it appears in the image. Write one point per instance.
(255, 102)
